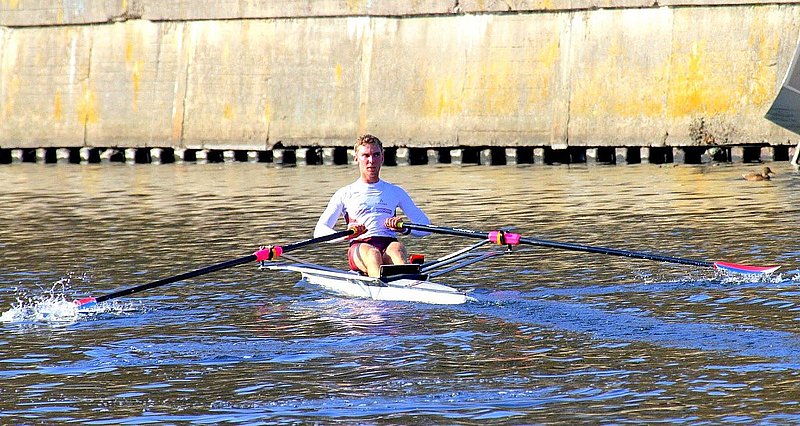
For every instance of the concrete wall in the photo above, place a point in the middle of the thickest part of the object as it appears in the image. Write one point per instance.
(246, 74)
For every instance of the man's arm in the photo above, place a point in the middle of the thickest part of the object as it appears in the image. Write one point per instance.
(329, 217)
(414, 214)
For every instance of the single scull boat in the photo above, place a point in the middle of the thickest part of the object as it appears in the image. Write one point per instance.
(408, 283)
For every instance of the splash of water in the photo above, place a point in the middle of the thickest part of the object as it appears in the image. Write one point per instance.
(50, 305)
(54, 306)
(734, 278)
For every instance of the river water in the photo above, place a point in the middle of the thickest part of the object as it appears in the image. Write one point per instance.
(554, 336)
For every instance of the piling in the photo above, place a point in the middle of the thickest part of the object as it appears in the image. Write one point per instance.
(408, 156)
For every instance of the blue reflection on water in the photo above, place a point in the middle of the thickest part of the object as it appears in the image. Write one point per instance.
(605, 325)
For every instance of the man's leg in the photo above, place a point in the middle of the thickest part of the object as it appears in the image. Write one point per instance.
(396, 253)
(367, 258)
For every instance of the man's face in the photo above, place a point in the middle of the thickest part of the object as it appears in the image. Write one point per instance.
(370, 159)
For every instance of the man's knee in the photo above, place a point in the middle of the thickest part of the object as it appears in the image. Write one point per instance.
(367, 258)
(367, 253)
(396, 252)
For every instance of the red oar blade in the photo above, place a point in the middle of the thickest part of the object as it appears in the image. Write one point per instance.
(86, 302)
(744, 269)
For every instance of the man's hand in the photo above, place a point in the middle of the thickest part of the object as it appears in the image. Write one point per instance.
(358, 229)
(392, 223)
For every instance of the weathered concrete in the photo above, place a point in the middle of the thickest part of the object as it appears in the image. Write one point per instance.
(246, 75)
(21, 13)
(36, 13)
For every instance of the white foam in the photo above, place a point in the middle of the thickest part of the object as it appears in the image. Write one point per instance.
(53, 306)
(55, 309)
(50, 305)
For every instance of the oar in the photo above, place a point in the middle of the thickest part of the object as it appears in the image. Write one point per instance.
(508, 238)
(267, 253)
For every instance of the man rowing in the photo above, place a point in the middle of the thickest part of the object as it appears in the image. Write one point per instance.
(369, 206)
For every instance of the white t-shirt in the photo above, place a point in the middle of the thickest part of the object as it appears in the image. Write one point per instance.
(369, 204)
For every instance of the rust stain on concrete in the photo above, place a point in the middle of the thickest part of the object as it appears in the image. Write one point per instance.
(543, 62)
(760, 83)
(135, 68)
(442, 95)
(488, 88)
(12, 91)
(58, 109)
(691, 90)
(268, 113)
(228, 111)
(87, 106)
(702, 84)
(354, 5)
(619, 85)
(494, 89)
(338, 73)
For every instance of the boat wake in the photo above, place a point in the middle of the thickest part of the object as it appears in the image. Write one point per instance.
(714, 315)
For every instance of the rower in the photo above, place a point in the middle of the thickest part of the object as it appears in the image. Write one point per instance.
(369, 207)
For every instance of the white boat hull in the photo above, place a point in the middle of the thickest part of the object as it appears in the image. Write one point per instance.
(352, 284)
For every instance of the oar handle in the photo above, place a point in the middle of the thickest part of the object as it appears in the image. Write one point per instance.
(273, 252)
(497, 237)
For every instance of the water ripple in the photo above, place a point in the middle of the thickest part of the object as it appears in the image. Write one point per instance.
(555, 337)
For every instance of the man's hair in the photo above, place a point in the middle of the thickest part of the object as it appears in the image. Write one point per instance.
(367, 139)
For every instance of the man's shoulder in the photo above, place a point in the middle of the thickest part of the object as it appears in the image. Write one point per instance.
(350, 188)
(387, 184)
(396, 189)
(343, 190)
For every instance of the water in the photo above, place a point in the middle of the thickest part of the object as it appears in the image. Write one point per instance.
(555, 337)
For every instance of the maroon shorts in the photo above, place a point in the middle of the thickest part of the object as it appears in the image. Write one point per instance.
(380, 243)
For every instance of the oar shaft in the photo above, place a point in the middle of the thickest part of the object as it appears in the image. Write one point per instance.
(176, 278)
(322, 239)
(615, 252)
(555, 244)
(263, 254)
